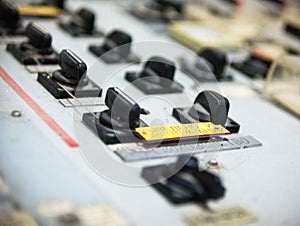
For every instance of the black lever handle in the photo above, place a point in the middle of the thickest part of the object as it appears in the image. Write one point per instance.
(122, 107)
(119, 37)
(84, 19)
(209, 182)
(216, 105)
(159, 66)
(189, 184)
(216, 59)
(71, 65)
(38, 36)
(115, 39)
(9, 13)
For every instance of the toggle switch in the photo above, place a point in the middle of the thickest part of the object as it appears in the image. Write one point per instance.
(217, 61)
(157, 77)
(117, 123)
(39, 40)
(116, 48)
(70, 78)
(37, 49)
(81, 23)
(189, 184)
(159, 10)
(209, 106)
(10, 22)
(255, 66)
(211, 65)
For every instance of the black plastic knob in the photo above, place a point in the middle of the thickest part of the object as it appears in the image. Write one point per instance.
(255, 66)
(122, 107)
(84, 19)
(189, 184)
(158, 66)
(38, 36)
(206, 185)
(216, 59)
(216, 105)
(9, 14)
(115, 48)
(71, 65)
(115, 39)
(211, 183)
(157, 77)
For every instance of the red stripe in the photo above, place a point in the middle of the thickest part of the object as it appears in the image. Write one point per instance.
(38, 110)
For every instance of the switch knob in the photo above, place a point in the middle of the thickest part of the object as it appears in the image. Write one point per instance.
(73, 69)
(216, 59)
(9, 14)
(213, 103)
(84, 19)
(38, 36)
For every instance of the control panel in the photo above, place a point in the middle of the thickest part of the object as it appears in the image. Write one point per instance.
(149, 113)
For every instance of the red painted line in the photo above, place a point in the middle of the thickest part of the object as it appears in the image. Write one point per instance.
(38, 110)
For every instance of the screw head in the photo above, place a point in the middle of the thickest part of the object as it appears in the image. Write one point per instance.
(16, 114)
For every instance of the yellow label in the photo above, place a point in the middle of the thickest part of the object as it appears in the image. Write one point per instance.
(40, 11)
(180, 131)
(227, 217)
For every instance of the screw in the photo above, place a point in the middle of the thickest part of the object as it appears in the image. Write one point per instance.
(16, 114)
